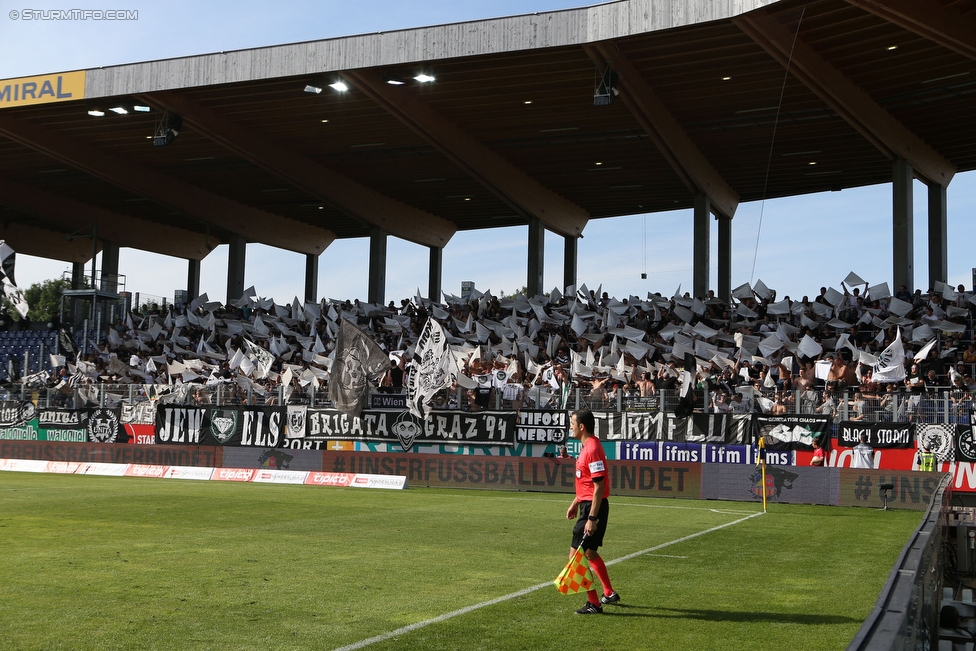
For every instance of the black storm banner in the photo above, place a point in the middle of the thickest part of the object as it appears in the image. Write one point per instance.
(481, 428)
(880, 435)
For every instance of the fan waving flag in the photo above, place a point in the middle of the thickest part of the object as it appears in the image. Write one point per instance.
(891, 362)
(576, 576)
(358, 361)
(434, 368)
(14, 295)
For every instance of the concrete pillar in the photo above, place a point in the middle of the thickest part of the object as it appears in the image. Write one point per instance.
(703, 210)
(192, 278)
(902, 226)
(724, 258)
(435, 273)
(938, 235)
(570, 260)
(536, 257)
(77, 275)
(311, 277)
(110, 267)
(235, 267)
(377, 266)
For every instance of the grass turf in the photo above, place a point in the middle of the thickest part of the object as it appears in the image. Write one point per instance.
(120, 563)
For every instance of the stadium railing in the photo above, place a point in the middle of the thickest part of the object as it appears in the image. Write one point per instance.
(906, 614)
(933, 407)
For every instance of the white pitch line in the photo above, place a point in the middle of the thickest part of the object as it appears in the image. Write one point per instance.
(521, 593)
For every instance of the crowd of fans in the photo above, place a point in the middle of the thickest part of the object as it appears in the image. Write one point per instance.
(754, 353)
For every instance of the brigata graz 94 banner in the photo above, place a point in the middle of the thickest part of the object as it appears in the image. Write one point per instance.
(479, 428)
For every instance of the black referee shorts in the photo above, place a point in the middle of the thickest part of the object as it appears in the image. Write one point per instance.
(596, 540)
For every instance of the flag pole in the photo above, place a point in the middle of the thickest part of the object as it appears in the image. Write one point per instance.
(762, 465)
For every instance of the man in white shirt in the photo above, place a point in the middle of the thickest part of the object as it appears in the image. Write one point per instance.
(863, 454)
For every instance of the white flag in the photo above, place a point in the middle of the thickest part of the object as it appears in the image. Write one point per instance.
(891, 362)
(14, 295)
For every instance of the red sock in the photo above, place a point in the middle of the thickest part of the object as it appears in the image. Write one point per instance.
(600, 569)
(592, 598)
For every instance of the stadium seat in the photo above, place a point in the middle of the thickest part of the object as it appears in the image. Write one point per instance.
(947, 594)
(967, 595)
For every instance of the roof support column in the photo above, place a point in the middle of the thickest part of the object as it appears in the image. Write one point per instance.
(938, 235)
(702, 244)
(235, 267)
(110, 267)
(311, 277)
(570, 261)
(435, 273)
(377, 266)
(192, 278)
(902, 222)
(77, 275)
(724, 258)
(536, 257)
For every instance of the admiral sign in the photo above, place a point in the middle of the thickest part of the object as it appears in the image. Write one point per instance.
(43, 89)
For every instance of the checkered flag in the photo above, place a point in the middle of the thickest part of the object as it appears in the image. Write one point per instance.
(576, 576)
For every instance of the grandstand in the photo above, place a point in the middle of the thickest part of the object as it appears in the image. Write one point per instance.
(690, 390)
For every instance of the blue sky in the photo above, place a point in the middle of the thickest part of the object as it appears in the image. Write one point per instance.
(802, 243)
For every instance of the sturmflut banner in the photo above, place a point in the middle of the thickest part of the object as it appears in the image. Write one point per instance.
(697, 428)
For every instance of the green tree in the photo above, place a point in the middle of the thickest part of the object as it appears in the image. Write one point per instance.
(44, 300)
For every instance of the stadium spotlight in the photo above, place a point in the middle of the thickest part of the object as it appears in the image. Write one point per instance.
(96, 113)
(141, 109)
(313, 89)
(606, 88)
(167, 129)
(424, 78)
(339, 86)
(119, 110)
(394, 80)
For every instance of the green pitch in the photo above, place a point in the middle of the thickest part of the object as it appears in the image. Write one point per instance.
(114, 563)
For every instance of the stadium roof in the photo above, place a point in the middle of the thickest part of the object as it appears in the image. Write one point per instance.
(738, 100)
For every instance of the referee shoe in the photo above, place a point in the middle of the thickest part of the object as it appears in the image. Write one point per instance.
(590, 609)
(611, 598)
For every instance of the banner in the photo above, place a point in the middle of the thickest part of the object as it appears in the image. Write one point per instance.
(697, 428)
(792, 432)
(21, 421)
(965, 443)
(221, 426)
(880, 435)
(940, 439)
(479, 428)
(397, 401)
(541, 426)
(139, 422)
(104, 426)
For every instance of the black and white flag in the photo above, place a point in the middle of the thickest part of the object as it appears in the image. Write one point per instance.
(14, 295)
(434, 368)
(358, 361)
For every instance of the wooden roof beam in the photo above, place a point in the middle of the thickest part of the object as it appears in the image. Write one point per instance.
(675, 145)
(524, 194)
(43, 243)
(939, 24)
(366, 204)
(878, 126)
(252, 224)
(71, 215)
